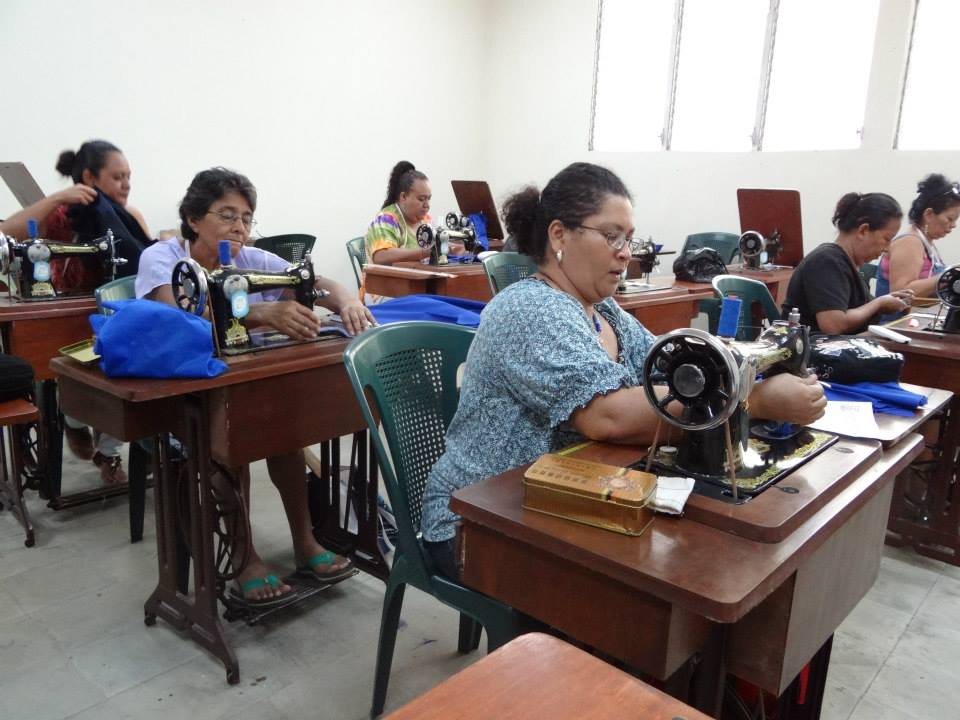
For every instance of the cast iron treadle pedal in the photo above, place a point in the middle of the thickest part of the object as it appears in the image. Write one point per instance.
(303, 590)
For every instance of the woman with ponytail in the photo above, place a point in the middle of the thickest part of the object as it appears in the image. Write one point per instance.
(827, 287)
(392, 236)
(555, 360)
(913, 262)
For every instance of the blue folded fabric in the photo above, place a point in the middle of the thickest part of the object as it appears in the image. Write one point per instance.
(455, 259)
(429, 307)
(479, 221)
(886, 397)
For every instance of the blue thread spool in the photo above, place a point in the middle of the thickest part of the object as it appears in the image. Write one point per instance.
(33, 228)
(224, 249)
(729, 317)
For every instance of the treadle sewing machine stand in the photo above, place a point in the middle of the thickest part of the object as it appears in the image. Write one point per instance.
(930, 523)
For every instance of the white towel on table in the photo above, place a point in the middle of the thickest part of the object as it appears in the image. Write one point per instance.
(671, 494)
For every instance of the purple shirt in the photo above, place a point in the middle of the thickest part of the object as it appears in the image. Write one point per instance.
(157, 261)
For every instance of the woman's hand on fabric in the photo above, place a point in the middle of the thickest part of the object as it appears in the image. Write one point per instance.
(356, 317)
(788, 398)
(78, 194)
(289, 317)
(456, 248)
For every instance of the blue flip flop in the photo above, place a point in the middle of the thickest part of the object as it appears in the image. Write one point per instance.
(327, 557)
(257, 583)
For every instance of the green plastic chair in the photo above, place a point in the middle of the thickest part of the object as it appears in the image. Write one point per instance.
(409, 372)
(727, 244)
(868, 271)
(357, 250)
(291, 247)
(750, 292)
(140, 454)
(505, 268)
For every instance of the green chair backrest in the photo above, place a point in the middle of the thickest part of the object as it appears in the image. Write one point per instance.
(505, 268)
(119, 289)
(409, 372)
(750, 292)
(357, 250)
(727, 244)
(290, 247)
(868, 271)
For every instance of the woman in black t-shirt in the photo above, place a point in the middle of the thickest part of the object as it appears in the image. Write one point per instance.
(827, 287)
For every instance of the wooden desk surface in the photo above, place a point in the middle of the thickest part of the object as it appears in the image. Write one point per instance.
(37, 330)
(242, 369)
(706, 570)
(652, 600)
(539, 676)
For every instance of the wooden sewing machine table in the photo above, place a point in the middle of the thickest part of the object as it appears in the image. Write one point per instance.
(755, 589)
(266, 404)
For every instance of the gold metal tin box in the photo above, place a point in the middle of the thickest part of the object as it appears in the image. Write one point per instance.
(592, 493)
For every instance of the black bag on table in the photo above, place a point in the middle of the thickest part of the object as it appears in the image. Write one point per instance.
(700, 265)
(16, 378)
(849, 359)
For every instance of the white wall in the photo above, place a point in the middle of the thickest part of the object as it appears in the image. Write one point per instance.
(314, 101)
(542, 54)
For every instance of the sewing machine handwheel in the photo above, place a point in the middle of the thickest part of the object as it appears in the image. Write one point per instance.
(698, 372)
(424, 236)
(948, 286)
(189, 285)
(453, 221)
(751, 244)
(5, 252)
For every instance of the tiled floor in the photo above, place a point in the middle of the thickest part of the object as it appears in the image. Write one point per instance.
(73, 643)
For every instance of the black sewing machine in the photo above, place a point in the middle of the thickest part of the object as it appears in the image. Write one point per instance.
(458, 227)
(757, 250)
(644, 258)
(226, 290)
(948, 290)
(707, 382)
(28, 264)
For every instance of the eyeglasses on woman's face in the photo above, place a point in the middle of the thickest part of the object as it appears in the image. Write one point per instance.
(616, 240)
(229, 217)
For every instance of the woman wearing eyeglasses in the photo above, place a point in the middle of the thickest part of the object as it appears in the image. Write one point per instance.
(219, 205)
(913, 262)
(555, 359)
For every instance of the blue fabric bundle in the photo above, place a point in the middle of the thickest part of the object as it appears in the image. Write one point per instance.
(149, 339)
(429, 307)
(887, 397)
(479, 221)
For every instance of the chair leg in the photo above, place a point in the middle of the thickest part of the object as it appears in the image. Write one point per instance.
(470, 630)
(389, 622)
(137, 462)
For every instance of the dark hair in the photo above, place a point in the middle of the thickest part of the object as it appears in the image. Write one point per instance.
(402, 178)
(875, 209)
(207, 187)
(574, 194)
(934, 192)
(91, 156)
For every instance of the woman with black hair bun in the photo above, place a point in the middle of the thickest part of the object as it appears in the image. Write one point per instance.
(556, 360)
(827, 287)
(392, 236)
(913, 262)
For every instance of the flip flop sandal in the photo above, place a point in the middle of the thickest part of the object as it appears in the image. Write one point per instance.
(325, 558)
(257, 583)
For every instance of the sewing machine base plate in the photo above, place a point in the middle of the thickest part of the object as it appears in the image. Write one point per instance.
(769, 462)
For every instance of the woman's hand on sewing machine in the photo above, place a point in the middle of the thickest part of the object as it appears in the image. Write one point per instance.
(456, 249)
(788, 398)
(356, 317)
(286, 316)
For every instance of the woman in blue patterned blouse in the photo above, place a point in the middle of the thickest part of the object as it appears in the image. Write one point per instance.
(555, 359)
